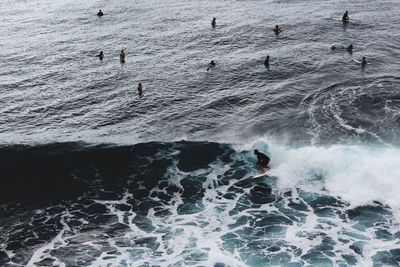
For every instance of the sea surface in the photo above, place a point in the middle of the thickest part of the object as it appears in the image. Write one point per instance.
(93, 174)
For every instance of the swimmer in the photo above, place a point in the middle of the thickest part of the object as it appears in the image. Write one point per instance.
(363, 62)
(139, 88)
(100, 55)
(122, 56)
(263, 159)
(266, 62)
(350, 48)
(213, 22)
(100, 13)
(346, 17)
(211, 65)
(277, 30)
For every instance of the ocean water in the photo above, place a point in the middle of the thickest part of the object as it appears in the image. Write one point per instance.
(92, 174)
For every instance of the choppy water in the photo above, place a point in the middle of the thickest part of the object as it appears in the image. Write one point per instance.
(81, 185)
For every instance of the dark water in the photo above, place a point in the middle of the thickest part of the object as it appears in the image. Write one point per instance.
(94, 175)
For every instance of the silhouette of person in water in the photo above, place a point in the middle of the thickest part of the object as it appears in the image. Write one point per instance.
(263, 159)
(350, 48)
(140, 88)
(346, 17)
(122, 56)
(100, 13)
(277, 30)
(213, 22)
(266, 62)
(100, 55)
(211, 65)
(363, 62)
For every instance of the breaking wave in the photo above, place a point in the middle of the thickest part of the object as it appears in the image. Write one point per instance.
(197, 203)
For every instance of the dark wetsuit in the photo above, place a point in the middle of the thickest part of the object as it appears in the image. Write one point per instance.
(263, 160)
(211, 65)
(345, 17)
(266, 62)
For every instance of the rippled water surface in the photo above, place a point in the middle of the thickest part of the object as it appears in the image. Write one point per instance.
(53, 87)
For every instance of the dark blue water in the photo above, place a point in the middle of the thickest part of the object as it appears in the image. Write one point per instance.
(92, 174)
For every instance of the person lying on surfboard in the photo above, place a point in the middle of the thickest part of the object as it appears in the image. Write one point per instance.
(263, 159)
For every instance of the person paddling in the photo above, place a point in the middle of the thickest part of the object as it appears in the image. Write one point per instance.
(348, 48)
(100, 13)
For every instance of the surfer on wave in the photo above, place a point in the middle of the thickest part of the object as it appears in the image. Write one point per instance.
(263, 159)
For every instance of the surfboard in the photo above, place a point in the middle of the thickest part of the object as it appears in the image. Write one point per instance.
(265, 172)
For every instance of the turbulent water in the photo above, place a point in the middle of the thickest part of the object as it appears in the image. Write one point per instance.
(93, 174)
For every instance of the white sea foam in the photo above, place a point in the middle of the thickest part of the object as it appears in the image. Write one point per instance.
(358, 174)
(198, 237)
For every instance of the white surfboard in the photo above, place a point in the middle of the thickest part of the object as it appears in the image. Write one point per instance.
(265, 172)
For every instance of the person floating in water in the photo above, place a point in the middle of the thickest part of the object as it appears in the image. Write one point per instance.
(100, 55)
(346, 17)
(122, 56)
(263, 159)
(140, 88)
(277, 30)
(363, 62)
(100, 13)
(211, 65)
(213, 22)
(266, 62)
(350, 48)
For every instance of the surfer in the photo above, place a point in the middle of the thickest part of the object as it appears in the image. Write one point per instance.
(100, 55)
(266, 62)
(211, 65)
(100, 13)
(263, 159)
(122, 56)
(277, 30)
(346, 17)
(139, 88)
(363, 62)
(213, 22)
(350, 48)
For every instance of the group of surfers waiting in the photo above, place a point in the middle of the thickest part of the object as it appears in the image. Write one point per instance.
(277, 30)
(121, 56)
